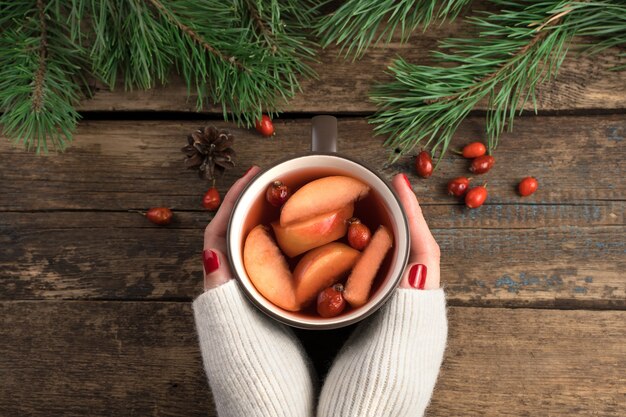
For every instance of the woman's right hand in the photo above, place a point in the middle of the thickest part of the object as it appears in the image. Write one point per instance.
(422, 271)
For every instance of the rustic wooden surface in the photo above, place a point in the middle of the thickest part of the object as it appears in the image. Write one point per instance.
(141, 358)
(95, 300)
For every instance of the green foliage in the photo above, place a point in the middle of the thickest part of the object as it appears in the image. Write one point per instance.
(248, 56)
(357, 24)
(245, 55)
(39, 77)
(517, 49)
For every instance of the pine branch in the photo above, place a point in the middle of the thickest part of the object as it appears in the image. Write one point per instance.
(193, 35)
(235, 57)
(41, 67)
(358, 24)
(518, 48)
(38, 84)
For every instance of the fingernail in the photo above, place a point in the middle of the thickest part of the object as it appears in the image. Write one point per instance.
(417, 276)
(248, 170)
(210, 260)
(408, 183)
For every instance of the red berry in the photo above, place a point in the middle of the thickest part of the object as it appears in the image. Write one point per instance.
(277, 193)
(474, 150)
(359, 235)
(330, 302)
(527, 186)
(424, 164)
(458, 186)
(212, 200)
(476, 197)
(160, 215)
(265, 126)
(482, 164)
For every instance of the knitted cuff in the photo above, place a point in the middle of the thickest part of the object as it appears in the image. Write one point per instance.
(255, 366)
(390, 365)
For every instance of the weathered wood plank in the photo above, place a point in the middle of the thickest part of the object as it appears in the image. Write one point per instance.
(102, 255)
(126, 358)
(343, 85)
(128, 164)
(100, 359)
(563, 246)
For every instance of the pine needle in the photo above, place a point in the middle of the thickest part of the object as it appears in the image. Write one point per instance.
(517, 49)
(246, 56)
(358, 24)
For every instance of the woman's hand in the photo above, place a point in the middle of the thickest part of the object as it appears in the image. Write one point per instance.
(424, 249)
(216, 268)
(423, 268)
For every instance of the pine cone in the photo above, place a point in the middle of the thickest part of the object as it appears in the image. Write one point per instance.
(210, 151)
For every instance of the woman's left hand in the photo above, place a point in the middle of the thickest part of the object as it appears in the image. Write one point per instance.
(215, 259)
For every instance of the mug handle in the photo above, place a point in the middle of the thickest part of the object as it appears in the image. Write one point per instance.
(324, 134)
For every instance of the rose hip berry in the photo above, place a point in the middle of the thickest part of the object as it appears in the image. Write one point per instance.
(482, 164)
(474, 150)
(359, 235)
(424, 164)
(277, 193)
(330, 302)
(160, 215)
(265, 126)
(458, 186)
(527, 186)
(211, 200)
(476, 196)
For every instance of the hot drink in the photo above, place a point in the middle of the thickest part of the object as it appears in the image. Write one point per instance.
(309, 233)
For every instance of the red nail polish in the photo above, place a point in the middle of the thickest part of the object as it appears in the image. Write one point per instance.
(248, 170)
(408, 183)
(210, 260)
(417, 276)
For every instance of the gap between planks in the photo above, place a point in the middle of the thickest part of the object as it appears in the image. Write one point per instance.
(184, 300)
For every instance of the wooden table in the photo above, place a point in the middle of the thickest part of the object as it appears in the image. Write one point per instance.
(95, 301)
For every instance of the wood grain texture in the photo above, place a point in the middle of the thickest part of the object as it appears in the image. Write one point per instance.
(142, 358)
(69, 235)
(121, 165)
(343, 85)
(102, 255)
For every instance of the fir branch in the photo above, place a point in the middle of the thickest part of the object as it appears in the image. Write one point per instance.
(193, 35)
(357, 24)
(518, 48)
(39, 85)
(226, 57)
(41, 67)
(259, 23)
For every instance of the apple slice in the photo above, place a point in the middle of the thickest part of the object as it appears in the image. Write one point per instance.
(300, 237)
(361, 278)
(268, 270)
(322, 196)
(321, 268)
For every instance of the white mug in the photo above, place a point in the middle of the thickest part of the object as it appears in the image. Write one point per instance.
(322, 159)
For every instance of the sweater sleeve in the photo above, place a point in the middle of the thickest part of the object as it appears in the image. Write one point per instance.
(255, 366)
(389, 366)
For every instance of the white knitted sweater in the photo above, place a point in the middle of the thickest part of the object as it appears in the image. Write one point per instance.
(257, 367)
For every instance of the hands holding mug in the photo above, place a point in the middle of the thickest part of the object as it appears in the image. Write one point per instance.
(422, 271)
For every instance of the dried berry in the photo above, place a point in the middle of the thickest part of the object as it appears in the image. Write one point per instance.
(424, 164)
(277, 193)
(476, 197)
(474, 150)
(330, 302)
(458, 186)
(160, 215)
(265, 126)
(359, 235)
(482, 164)
(211, 200)
(527, 186)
